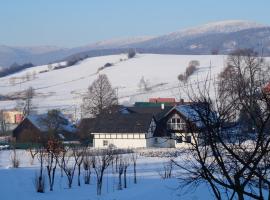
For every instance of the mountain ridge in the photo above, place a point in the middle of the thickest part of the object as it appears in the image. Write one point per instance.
(222, 36)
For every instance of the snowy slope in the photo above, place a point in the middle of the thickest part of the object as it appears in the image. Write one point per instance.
(63, 88)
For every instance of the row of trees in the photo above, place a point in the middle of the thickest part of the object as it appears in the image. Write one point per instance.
(52, 155)
(14, 68)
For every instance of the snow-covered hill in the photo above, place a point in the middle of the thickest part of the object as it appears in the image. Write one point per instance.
(63, 88)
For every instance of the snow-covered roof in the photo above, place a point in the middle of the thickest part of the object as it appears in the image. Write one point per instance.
(38, 121)
(196, 113)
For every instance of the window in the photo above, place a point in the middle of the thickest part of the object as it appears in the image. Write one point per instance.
(179, 139)
(188, 139)
(176, 123)
(156, 140)
(105, 142)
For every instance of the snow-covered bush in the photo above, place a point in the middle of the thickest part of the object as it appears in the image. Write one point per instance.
(160, 152)
(166, 172)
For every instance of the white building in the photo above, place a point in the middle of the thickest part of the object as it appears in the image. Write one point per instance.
(134, 128)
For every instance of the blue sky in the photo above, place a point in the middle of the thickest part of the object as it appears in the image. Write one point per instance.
(70, 23)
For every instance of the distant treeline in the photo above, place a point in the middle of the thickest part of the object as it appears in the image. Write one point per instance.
(14, 68)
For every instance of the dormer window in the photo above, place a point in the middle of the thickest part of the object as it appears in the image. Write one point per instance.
(176, 123)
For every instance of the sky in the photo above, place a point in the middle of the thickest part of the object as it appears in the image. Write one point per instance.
(71, 23)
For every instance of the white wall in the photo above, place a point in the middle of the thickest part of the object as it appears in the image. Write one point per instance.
(183, 144)
(120, 140)
(161, 142)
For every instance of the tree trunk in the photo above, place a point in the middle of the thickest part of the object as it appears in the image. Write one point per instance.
(99, 185)
(119, 182)
(79, 175)
(125, 178)
(135, 176)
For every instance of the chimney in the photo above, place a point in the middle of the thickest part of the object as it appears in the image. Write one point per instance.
(162, 106)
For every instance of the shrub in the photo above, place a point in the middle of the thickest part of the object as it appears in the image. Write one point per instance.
(181, 77)
(108, 65)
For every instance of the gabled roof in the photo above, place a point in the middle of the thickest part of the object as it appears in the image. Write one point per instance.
(119, 123)
(197, 114)
(38, 122)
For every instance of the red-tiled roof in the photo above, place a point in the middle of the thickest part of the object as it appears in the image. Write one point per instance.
(162, 100)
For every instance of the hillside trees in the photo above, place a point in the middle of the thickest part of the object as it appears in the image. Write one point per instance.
(14, 68)
(131, 53)
(192, 67)
(231, 160)
(100, 97)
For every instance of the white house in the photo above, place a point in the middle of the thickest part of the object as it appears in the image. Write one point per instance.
(168, 127)
(120, 130)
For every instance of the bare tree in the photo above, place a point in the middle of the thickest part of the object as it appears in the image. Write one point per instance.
(3, 124)
(100, 162)
(79, 156)
(15, 161)
(167, 170)
(53, 149)
(126, 163)
(68, 163)
(134, 158)
(87, 162)
(144, 84)
(223, 154)
(100, 97)
(33, 153)
(28, 101)
(40, 178)
(120, 172)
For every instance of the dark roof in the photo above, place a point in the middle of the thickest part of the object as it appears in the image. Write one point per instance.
(118, 123)
(154, 111)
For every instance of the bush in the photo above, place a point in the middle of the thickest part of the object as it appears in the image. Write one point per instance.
(181, 77)
(108, 65)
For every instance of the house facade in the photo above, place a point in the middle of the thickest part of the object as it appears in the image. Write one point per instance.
(120, 130)
(133, 127)
(35, 128)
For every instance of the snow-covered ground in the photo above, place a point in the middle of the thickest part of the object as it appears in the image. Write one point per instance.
(63, 88)
(19, 183)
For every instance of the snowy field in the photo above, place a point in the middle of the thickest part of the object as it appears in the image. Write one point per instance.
(64, 88)
(19, 183)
